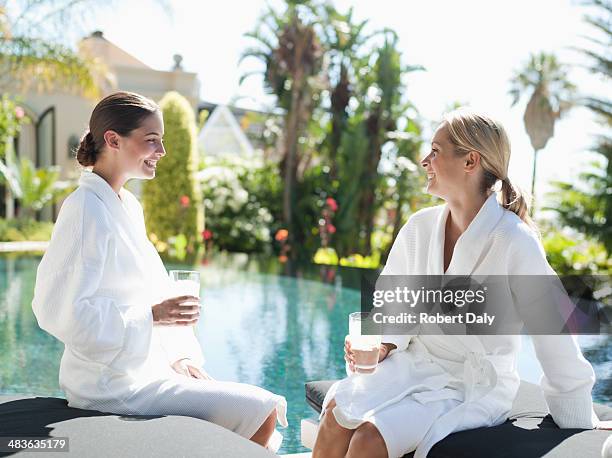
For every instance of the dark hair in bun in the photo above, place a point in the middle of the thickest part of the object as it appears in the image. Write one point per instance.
(121, 112)
(86, 154)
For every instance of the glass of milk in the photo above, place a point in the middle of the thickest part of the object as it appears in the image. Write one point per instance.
(365, 347)
(185, 283)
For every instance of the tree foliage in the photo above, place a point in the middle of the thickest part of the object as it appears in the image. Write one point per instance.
(172, 202)
(543, 79)
(32, 55)
(239, 198)
(354, 110)
(289, 47)
(588, 206)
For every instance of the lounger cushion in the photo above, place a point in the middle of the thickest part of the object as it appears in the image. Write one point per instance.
(529, 432)
(97, 434)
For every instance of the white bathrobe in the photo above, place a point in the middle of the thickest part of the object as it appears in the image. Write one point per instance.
(433, 385)
(94, 290)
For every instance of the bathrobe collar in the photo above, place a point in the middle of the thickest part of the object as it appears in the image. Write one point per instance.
(126, 222)
(101, 188)
(469, 248)
(470, 244)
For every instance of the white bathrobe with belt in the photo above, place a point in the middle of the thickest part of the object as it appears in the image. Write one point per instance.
(468, 381)
(95, 286)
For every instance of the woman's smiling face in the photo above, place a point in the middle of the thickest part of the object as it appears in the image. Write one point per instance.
(445, 174)
(143, 147)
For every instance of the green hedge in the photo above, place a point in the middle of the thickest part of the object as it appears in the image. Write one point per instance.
(172, 200)
(572, 253)
(18, 230)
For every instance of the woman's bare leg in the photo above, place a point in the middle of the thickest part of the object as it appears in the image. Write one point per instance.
(332, 439)
(263, 434)
(367, 442)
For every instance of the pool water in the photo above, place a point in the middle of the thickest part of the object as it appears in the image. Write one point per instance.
(258, 326)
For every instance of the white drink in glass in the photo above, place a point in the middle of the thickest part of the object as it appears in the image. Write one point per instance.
(365, 348)
(185, 283)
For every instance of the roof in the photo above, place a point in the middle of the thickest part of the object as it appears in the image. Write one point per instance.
(222, 134)
(98, 46)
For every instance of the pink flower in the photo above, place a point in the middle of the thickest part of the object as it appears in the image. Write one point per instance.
(332, 204)
(185, 201)
(331, 228)
(19, 112)
(207, 234)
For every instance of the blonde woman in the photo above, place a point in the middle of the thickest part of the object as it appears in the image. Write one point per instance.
(428, 386)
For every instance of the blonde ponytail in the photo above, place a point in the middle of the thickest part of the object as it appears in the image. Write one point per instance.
(514, 199)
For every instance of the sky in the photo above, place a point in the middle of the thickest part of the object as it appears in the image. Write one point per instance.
(470, 50)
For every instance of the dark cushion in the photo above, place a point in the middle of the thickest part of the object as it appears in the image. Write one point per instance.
(98, 434)
(529, 431)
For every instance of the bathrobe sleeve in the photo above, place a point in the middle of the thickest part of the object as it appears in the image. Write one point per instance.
(568, 377)
(67, 302)
(178, 342)
(398, 264)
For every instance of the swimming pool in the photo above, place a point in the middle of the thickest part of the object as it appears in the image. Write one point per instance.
(259, 325)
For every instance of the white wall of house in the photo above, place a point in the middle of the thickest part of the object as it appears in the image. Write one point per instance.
(71, 118)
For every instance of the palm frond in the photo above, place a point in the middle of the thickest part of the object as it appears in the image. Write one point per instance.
(413, 68)
(257, 53)
(262, 40)
(246, 75)
(602, 64)
(32, 64)
(600, 24)
(600, 106)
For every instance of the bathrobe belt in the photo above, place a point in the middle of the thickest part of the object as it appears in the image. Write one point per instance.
(480, 374)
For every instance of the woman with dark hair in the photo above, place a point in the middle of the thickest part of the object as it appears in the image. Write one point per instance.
(102, 289)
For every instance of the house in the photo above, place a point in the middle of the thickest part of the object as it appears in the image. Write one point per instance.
(222, 135)
(234, 130)
(59, 118)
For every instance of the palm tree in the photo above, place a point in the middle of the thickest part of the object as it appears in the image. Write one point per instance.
(384, 105)
(31, 62)
(371, 128)
(409, 178)
(544, 80)
(290, 49)
(590, 211)
(601, 64)
(343, 38)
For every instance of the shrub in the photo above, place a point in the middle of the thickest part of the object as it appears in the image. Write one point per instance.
(235, 192)
(570, 252)
(17, 230)
(172, 201)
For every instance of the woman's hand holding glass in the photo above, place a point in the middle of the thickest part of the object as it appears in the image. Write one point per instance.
(349, 356)
(177, 311)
